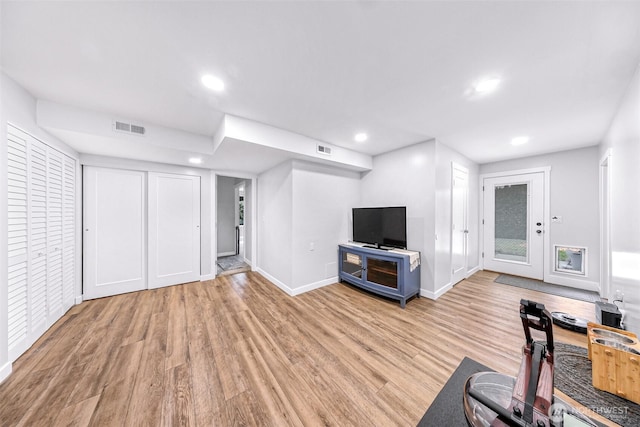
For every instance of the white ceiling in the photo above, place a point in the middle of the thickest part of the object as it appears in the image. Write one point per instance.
(400, 71)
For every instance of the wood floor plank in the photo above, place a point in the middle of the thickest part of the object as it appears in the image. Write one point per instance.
(115, 397)
(238, 351)
(177, 345)
(25, 392)
(177, 406)
(208, 395)
(145, 407)
(265, 386)
(100, 366)
(310, 409)
(77, 415)
(52, 400)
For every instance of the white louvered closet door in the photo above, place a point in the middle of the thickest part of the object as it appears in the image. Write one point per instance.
(17, 240)
(38, 236)
(68, 232)
(54, 235)
(41, 238)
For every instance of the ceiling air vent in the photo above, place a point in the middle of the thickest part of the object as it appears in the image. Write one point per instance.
(322, 149)
(124, 127)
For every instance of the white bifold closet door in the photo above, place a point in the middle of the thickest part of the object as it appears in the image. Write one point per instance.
(41, 237)
(174, 229)
(141, 230)
(114, 231)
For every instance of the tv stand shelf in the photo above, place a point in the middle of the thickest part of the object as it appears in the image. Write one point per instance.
(385, 272)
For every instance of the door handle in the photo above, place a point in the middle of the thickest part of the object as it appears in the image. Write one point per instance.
(539, 231)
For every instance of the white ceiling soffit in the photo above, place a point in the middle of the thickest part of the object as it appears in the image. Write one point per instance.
(240, 145)
(400, 71)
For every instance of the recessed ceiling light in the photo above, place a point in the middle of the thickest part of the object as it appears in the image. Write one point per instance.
(360, 137)
(520, 140)
(212, 82)
(195, 160)
(487, 85)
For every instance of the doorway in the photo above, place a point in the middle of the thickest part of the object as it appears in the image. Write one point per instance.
(232, 222)
(239, 218)
(513, 224)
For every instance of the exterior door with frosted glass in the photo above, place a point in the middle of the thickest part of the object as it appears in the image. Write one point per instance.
(514, 224)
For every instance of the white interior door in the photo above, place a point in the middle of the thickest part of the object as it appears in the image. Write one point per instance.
(40, 180)
(459, 228)
(514, 224)
(114, 232)
(174, 229)
(18, 244)
(54, 234)
(69, 233)
(38, 235)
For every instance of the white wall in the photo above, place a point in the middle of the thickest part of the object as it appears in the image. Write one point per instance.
(623, 138)
(225, 208)
(304, 212)
(206, 193)
(445, 156)
(574, 196)
(275, 215)
(18, 107)
(322, 200)
(406, 177)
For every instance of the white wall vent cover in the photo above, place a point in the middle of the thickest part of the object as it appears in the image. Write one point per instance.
(125, 127)
(322, 149)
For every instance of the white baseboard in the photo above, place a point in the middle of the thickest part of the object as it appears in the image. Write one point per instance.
(300, 290)
(473, 271)
(315, 285)
(78, 299)
(571, 282)
(205, 277)
(226, 254)
(427, 294)
(5, 371)
(437, 294)
(275, 281)
(246, 261)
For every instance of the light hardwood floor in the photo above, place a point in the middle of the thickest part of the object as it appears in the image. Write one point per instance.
(238, 351)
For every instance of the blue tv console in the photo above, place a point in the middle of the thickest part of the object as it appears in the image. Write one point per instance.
(391, 273)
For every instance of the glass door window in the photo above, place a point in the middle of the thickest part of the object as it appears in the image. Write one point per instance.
(511, 229)
(352, 264)
(382, 272)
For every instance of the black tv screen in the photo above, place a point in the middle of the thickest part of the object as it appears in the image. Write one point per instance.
(381, 226)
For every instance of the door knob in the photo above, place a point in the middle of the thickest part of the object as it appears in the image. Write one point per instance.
(538, 231)
(538, 224)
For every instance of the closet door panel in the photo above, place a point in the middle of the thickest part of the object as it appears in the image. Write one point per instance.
(17, 243)
(68, 231)
(174, 229)
(114, 233)
(38, 235)
(54, 235)
(38, 203)
(18, 309)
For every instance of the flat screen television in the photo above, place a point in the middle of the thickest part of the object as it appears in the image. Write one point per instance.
(384, 226)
